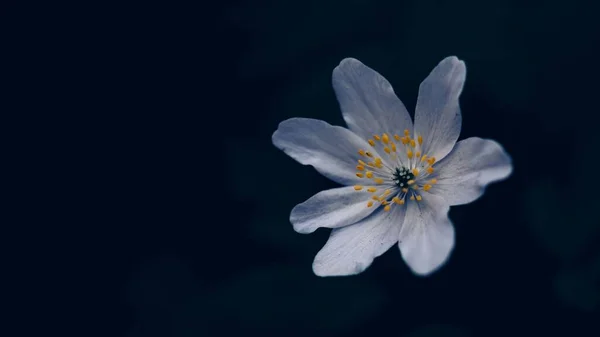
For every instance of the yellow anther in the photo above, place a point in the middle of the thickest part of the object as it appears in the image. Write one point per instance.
(424, 158)
(376, 198)
(419, 198)
(393, 147)
(358, 187)
(386, 149)
(430, 170)
(378, 160)
(412, 143)
(372, 164)
(372, 189)
(431, 160)
(387, 208)
(396, 137)
(405, 190)
(369, 154)
(378, 181)
(420, 139)
(372, 142)
(362, 162)
(378, 165)
(377, 137)
(398, 201)
(433, 181)
(361, 152)
(427, 187)
(360, 167)
(405, 140)
(369, 174)
(412, 197)
(369, 204)
(409, 154)
(386, 193)
(384, 202)
(360, 175)
(410, 182)
(418, 154)
(406, 132)
(385, 138)
(415, 171)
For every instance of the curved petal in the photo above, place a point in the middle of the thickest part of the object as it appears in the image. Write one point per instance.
(333, 208)
(427, 235)
(367, 100)
(331, 150)
(465, 172)
(437, 115)
(351, 249)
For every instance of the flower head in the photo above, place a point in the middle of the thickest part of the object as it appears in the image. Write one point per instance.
(401, 178)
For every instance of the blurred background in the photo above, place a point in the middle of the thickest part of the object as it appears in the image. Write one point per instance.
(165, 206)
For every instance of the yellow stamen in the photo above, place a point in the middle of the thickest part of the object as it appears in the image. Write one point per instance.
(378, 181)
(362, 162)
(361, 152)
(375, 198)
(387, 208)
(412, 197)
(430, 170)
(406, 132)
(431, 160)
(377, 137)
(369, 204)
(360, 167)
(412, 143)
(360, 175)
(369, 174)
(433, 181)
(415, 171)
(420, 140)
(410, 182)
(384, 202)
(386, 149)
(424, 158)
(427, 187)
(385, 138)
(372, 142)
(386, 193)
(405, 140)
(372, 164)
(393, 147)
(396, 137)
(358, 187)
(398, 201)
(418, 154)
(369, 154)
(409, 154)
(372, 189)
(419, 198)
(405, 190)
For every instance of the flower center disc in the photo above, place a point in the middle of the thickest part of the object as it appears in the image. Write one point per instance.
(402, 176)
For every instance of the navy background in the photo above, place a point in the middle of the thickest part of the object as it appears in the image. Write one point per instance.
(159, 202)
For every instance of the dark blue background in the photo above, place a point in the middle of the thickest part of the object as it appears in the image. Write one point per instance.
(165, 205)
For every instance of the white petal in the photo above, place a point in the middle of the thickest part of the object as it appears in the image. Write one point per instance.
(351, 249)
(427, 235)
(367, 100)
(437, 115)
(465, 172)
(331, 150)
(333, 208)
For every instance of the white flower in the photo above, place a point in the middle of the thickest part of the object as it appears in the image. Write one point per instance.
(402, 178)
